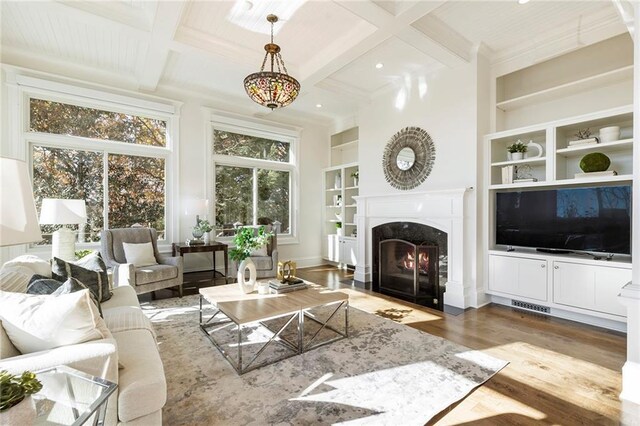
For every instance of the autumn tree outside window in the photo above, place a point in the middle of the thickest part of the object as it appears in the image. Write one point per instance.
(115, 161)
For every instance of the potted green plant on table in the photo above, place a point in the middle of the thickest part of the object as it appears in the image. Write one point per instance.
(246, 240)
(517, 150)
(339, 229)
(205, 228)
(16, 404)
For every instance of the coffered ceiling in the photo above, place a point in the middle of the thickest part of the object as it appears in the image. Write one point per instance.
(331, 47)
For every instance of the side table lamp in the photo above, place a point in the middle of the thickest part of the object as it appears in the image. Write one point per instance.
(18, 217)
(63, 212)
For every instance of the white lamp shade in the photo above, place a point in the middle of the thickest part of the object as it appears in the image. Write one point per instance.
(196, 207)
(18, 217)
(62, 212)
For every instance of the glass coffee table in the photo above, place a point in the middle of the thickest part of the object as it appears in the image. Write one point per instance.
(71, 397)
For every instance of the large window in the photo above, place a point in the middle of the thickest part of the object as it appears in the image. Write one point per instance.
(115, 161)
(254, 178)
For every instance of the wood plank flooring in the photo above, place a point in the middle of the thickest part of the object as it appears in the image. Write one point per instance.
(560, 372)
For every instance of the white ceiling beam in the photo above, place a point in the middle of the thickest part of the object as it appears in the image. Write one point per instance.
(444, 36)
(165, 25)
(625, 11)
(331, 60)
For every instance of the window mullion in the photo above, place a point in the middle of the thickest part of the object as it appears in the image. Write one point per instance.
(255, 196)
(105, 189)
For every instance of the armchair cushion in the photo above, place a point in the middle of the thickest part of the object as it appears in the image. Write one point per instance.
(90, 270)
(263, 263)
(155, 273)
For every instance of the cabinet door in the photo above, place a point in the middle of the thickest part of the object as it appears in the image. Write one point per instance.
(333, 248)
(518, 276)
(589, 286)
(349, 251)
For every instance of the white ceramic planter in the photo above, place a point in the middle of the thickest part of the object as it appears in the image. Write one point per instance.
(247, 286)
(207, 238)
(19, 415)
(517, 156)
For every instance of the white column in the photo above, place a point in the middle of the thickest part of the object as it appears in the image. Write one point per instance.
(630, 294)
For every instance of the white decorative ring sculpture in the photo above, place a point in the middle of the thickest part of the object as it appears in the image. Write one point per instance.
(247, 286)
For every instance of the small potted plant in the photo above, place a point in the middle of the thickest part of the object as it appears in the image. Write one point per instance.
(205, 227)
(246, 240)
(339, 229)
(16, 404)
(355, 175)
(517, 150)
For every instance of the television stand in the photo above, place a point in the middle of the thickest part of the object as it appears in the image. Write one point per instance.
(554, 251)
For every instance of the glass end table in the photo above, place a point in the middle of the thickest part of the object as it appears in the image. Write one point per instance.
(71, 397)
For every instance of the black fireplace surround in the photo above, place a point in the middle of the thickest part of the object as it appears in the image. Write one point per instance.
(413, 266)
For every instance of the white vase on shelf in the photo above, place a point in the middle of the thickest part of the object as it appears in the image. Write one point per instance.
(337, 183)
(207, 238)
(517, 156)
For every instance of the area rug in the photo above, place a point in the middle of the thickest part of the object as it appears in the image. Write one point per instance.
(384, 373)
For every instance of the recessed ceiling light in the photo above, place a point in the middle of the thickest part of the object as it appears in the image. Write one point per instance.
(318, 105)
(379, 65)
(523, 1)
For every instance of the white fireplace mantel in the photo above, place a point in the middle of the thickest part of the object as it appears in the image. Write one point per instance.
(443, 210)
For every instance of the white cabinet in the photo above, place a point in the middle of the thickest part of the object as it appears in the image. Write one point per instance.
(589, 287)
(518, 276)
(348, 251)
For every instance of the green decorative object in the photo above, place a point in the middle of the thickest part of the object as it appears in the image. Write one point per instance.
(13, 389)
(246, 240)
(595, 162)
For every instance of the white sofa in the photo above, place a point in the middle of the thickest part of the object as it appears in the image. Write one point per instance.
(130, 359)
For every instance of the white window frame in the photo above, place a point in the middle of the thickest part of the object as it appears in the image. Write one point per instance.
(23, 88)
(261, 129)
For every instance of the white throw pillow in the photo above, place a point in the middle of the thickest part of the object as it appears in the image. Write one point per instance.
(40, 322)
(33, 263)
(15, 279)
(139, 254)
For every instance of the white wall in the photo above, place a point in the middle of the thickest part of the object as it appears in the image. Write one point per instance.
(192, 152)
(448, 111)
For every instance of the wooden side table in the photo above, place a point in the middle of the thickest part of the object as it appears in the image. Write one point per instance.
(212, 247)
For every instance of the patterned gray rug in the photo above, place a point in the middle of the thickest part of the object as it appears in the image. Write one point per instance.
(384, 373)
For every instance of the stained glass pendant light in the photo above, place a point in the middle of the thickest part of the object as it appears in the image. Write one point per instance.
(275, 88)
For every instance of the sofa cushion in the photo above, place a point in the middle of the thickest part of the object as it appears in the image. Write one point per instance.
(142, 388)
(263, 263)
(91, 270)
(140, 254)
(125, 318)
(7, 349)
(32, 263)
(155, 273)
(124, 295)
(40, 322)
(15, 279)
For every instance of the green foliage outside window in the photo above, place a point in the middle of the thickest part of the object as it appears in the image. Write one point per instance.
(136, 184)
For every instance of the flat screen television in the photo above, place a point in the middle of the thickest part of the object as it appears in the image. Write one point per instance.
(593, 219)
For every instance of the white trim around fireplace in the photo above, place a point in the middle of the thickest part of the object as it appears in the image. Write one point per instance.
(443, 210)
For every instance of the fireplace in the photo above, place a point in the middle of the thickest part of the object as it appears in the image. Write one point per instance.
(410, 262)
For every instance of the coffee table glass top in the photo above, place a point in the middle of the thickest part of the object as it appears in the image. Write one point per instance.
(69, 396)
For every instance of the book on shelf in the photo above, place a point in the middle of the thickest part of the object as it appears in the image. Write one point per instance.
(596, 174)
(580, 142)
(507, 174)
(524, 180)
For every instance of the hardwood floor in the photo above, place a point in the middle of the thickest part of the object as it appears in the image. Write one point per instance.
(559, 372)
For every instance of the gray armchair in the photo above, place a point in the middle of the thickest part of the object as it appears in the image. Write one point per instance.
(167, 273)
(266, 266)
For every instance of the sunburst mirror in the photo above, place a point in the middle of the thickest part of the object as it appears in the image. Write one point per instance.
(408, 158)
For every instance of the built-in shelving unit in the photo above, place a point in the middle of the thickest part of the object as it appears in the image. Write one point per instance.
(570, 286)
(339, 189)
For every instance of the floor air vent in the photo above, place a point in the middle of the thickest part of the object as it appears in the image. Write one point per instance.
(530, 306)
